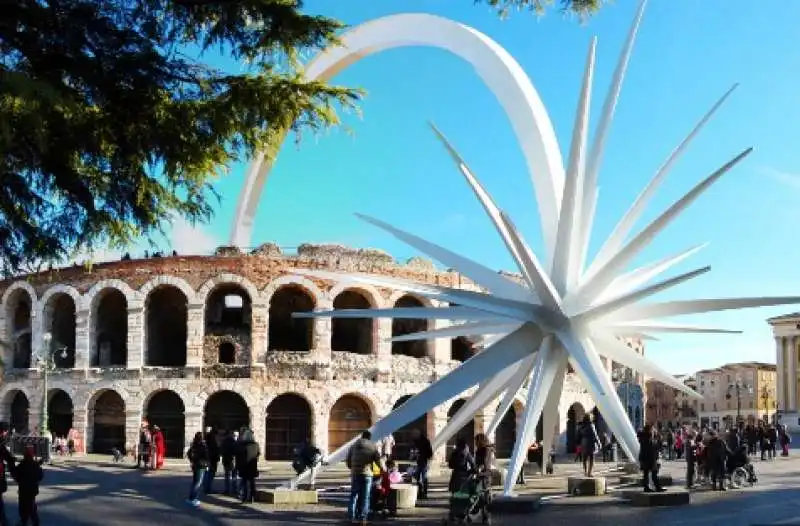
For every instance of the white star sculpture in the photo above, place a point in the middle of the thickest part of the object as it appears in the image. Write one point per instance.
(561, 314)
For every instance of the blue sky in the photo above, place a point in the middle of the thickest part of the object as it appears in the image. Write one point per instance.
(687, 55)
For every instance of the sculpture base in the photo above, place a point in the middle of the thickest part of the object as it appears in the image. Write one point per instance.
(287, 496)
(664, 480)
(674, 497)
(497, 478)
(586, 486)
(516, 505)
(403, 496)
(631, 468)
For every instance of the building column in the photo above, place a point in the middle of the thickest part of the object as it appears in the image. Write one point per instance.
(383, 348)
(82, 340)
(323, 330)
(80, 423)
(195, 329)
(781, 376)
(319, 431)
(258, 425)
(192, 423)
(436, 421)
(133, 423)
(259, 332)
(791, 357)
(136, 336)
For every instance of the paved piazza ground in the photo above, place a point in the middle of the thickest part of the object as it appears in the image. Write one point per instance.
(90, 492)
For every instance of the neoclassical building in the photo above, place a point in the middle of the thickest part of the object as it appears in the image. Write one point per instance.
(786, 330)
(189, 341)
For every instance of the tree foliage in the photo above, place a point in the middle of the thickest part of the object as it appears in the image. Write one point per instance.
(582, 8)
(112, 122)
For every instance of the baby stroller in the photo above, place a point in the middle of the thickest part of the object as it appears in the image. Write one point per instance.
(470, 504)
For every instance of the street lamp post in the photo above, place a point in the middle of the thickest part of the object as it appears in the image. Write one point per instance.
(738, 387)
(46, 362)
(765, 397)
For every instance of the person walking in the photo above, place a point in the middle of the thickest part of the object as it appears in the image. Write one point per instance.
(424, 456)
(360, 458)
(589, 444)
(6, 465)
(159, 446)
(691, 459)
(718, 452)
(649, 450)
(227, 455)
(247, 465)
(198, 459)
(28, 475)
(212, 443)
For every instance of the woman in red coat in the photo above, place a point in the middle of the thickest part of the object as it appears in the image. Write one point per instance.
(160, 446)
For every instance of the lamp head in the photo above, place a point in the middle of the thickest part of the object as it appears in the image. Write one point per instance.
(47, 338)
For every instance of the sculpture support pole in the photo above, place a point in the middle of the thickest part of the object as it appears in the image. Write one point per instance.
(550, 419)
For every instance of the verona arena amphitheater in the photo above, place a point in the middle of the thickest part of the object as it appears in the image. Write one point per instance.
(187, 341)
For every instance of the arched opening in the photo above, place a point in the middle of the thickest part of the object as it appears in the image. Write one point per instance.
(404, 437)
(461, 349)
(414, 348)
(166, 310)
(59, 413)
(506, 434)
(285, 332)
(350, 416)
(229, 314)
(107, 420)
(352, 334)
(226, 353)
(18, 314)
(226, 410)
(574, 417)
(166, 410)
(60, 323)
(20, 413)
(288, 424)
(110, 329)
(467, 433)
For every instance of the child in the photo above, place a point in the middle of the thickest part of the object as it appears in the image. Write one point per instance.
(28, 475)
(395, 477)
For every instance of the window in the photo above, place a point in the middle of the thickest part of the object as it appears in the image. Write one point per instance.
(702, 407)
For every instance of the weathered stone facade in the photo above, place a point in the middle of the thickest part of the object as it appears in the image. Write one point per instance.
(171, 336)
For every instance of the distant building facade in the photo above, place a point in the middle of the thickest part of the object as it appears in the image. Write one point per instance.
(743, 392)
(786, 330)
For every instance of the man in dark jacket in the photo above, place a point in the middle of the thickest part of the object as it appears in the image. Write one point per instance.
(718, 452)
(649, 449)
(228, 455)
(6, 464)
(213, 458)
(424, 457)
(28, 475)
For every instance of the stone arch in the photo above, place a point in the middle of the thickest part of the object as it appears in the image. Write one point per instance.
(59, 307)
(414, 348)
(228, 324)
(131, 295)
(404, 437)
(575, 414)
(173, 281)
(228, 279)
(289, 421)
(285, 332)
(60, 412)
(356, 335)
(105, 412)
(18, 305)
(166, 311)
(17, 405)
(108, 325)
(226, 409)
(466, 433)
(505, 436)
(166, 409)
(349, 416)
(461, 349)
(372, 294)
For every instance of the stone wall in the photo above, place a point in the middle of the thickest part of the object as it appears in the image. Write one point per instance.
(319, 375)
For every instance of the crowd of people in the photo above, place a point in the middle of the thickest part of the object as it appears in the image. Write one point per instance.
(236, 451)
